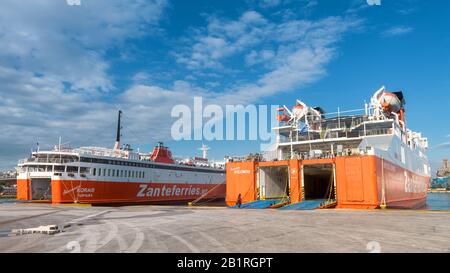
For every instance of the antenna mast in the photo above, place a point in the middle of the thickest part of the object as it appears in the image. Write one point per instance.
(204, 149)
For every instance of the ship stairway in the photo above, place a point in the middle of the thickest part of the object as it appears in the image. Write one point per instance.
(205, 196)
(259, 204)
(310, 205)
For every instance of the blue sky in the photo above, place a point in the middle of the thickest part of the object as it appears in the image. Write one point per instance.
(66, 70)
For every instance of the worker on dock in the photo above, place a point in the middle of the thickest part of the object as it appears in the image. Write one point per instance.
(239, 201)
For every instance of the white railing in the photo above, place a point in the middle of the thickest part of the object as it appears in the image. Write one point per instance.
(105, 152)
(46, 160)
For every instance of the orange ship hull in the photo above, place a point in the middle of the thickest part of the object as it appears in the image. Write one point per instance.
(361, 182)
(96, 192)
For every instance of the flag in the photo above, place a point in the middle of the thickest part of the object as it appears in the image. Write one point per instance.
(305, 129)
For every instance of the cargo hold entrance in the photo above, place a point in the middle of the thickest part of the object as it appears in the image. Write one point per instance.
(318, 181)
(274, 182)
(41, 189)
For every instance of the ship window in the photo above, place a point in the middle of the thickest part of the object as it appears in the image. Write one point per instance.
(109, 172)
(113, 172)
(72, 169)
(99, 172)
(104, 172)
(59, 168)
(121, 173)
(94, 171)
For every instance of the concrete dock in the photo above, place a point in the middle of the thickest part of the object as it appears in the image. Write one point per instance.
(219, 229)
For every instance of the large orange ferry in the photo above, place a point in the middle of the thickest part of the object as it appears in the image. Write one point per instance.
(119, 175)
(366, 160)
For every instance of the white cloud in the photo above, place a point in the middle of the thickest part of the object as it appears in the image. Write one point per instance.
(276, 3)
(397, 31)
(67, 42)
(42, 56)
(255, 57)
(301, 49)
(226, 38)
(445, 145)
(223, 38)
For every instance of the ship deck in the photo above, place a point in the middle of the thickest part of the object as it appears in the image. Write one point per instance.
(218, 229)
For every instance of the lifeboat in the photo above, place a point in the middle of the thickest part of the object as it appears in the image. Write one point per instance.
(298, 111)
(390, 102)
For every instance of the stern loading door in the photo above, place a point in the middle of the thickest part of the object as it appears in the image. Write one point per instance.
(319, 182)
(41, 189)
(274, 182)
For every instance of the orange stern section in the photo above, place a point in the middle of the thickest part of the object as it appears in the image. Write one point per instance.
(360, 182)
(23, 189)
(241, 179)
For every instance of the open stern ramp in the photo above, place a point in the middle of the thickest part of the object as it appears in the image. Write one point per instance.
(259, 204)
(308, 205)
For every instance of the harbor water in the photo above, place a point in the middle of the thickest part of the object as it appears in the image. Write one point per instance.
(438, 201)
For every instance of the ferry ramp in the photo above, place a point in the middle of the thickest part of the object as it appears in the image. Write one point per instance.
(305, 205)
(259, 204)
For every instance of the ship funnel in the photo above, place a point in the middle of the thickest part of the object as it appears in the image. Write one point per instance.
(117, 144)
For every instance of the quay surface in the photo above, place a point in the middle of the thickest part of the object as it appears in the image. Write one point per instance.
(219, 229)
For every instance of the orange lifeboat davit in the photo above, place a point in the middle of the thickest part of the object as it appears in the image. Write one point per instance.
(390, 102)
(298, 111)
(162, 154)
(282, 116)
